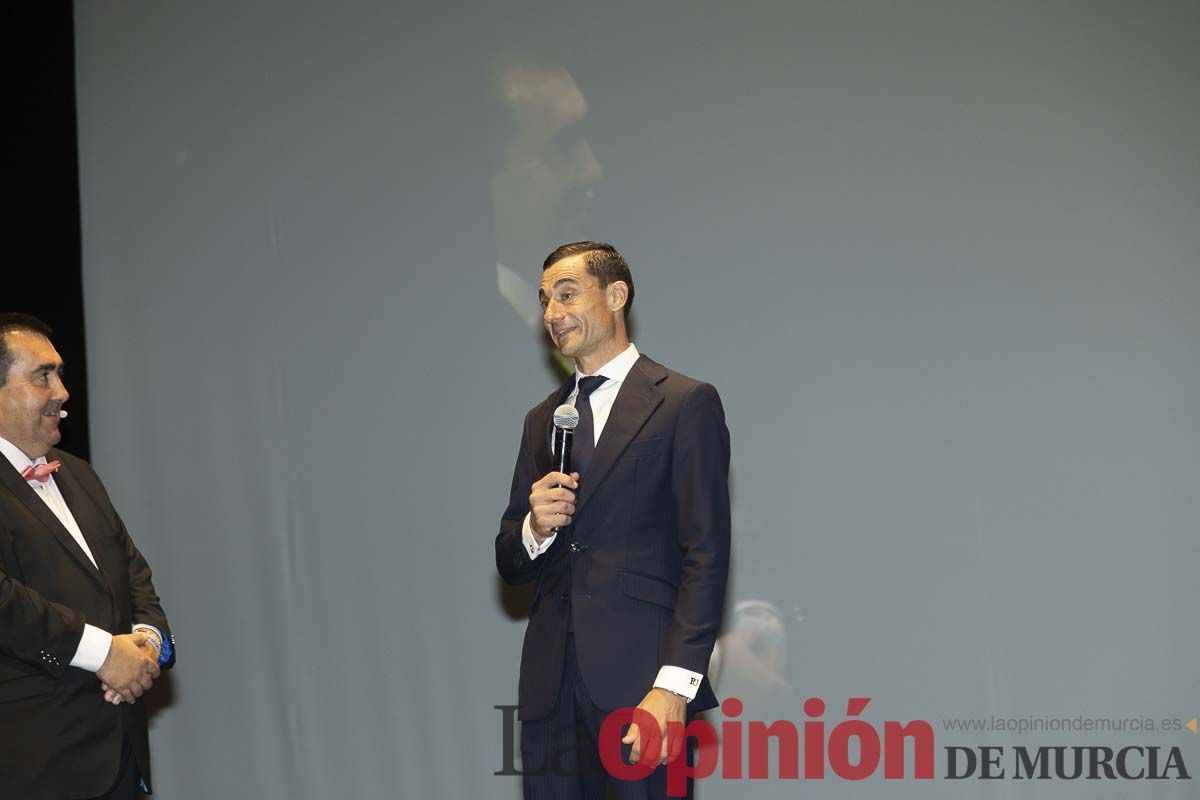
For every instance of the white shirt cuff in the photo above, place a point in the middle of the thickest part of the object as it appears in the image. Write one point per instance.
(93, 649)
(678, 680)
(532, 548)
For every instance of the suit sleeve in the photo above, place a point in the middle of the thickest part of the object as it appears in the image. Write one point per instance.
(36, 630)
(512, 562)
(700, 478)
(144, 604)
(143, 599)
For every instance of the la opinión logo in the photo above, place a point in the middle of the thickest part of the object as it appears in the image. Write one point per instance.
(740, 750)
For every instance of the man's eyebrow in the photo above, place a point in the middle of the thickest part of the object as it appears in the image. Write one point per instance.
(48, 367)
(557, 283)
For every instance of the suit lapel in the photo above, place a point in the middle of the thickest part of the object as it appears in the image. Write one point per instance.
(19, 487)
(637, 399)
(87, 517)
(544, 422)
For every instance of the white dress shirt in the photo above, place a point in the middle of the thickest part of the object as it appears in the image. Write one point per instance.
(94, 646)
(674, 679)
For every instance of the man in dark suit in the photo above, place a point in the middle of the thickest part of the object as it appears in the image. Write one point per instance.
(82, 634)
(631, 587)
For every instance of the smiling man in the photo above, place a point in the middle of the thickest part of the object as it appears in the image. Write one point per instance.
(82, 634)
(631, 587)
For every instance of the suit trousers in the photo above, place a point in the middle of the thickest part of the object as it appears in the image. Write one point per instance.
(128, 785)
(560, 754)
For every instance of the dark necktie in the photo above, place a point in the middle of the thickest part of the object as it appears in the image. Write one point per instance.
(584, 443)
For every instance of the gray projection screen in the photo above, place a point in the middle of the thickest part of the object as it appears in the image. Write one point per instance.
(940, 260)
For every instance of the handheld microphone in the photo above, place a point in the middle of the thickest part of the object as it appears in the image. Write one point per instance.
(565, 420)
(62, 414)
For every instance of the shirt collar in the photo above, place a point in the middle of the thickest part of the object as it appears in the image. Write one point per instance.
(16, 456)
(617, 368)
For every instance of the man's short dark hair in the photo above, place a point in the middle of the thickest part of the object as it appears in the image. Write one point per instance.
(11, 322)
(603, 261)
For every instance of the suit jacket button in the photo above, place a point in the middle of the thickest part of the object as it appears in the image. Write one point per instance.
(564, 597)
(574, 546)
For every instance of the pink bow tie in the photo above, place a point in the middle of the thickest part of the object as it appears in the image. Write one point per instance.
(40, 472)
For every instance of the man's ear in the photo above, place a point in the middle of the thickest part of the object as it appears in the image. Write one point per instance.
(618, 295)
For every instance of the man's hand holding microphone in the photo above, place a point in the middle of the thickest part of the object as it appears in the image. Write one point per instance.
(552, 504)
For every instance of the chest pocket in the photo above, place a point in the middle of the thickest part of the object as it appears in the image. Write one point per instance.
(644, 448)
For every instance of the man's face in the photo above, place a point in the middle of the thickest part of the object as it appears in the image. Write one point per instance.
(577, 313)
(33, 394)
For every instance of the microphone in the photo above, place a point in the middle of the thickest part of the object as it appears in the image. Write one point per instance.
(565, 420)
(62, 414)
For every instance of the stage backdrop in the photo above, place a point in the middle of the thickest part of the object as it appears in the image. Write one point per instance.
(940, 259)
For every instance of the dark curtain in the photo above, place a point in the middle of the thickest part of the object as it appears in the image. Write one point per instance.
(42, 263)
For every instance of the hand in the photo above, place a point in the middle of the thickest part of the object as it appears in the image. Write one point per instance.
(153, 645)
(152, 639)
(552, 503)
(665, 707)
(129, 670)
(111, 695)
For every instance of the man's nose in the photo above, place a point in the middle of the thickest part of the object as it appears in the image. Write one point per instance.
(61, 395)
(552, 313)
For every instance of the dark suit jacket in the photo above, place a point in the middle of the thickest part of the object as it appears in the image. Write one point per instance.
(58, 738)
(642, 569)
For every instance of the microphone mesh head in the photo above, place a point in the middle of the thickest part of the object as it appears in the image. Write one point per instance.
(566, 416)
